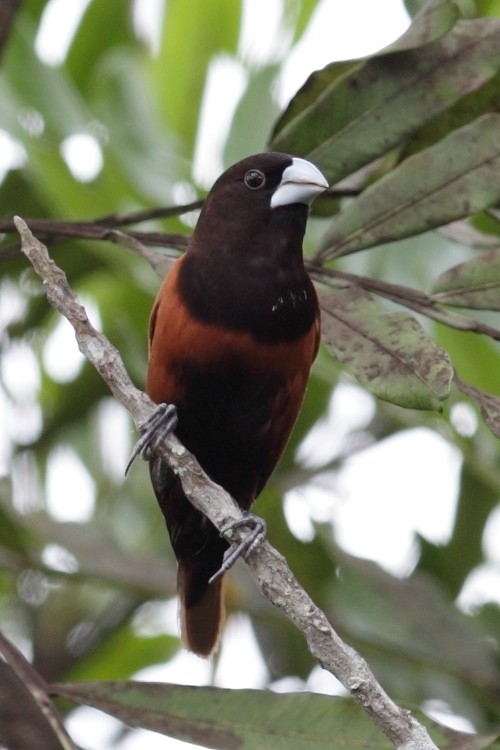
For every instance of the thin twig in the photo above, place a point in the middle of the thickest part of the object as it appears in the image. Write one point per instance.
(406, 296)
(136, 217)
(103, 228)
(268, 566)
(90, 230)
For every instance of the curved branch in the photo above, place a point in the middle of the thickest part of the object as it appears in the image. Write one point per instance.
(404, 295)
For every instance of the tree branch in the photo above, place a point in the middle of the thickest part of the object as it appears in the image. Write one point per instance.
(163, 212)
(105, 228)
(268, 566)
(38, 690)
(88, 230)
(404, 295)
(8, 10)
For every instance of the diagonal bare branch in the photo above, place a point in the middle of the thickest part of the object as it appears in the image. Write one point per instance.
(270, 569)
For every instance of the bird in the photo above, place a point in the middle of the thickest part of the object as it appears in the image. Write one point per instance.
(233, 333)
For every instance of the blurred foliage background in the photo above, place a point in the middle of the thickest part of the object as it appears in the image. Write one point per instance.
(84, 560)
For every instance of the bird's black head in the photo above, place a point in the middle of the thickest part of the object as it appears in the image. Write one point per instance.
(261, 195)
(252, 196)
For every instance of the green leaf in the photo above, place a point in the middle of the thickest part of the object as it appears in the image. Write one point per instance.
(474, 284)
(434, 20)
(457, 177)
(28, 86)
(99, 555)
(373, 108)
(123, 653)
(389, 353)
(138, 142)
(45, 89)
(303, 12)
(414, 630)
(13, 537)
(257, 96)
(467, 109)
(193, 33)
(486, 223)
(243, 719)
(88, 47)
(477, 359)
(308, 94)
(488, 7)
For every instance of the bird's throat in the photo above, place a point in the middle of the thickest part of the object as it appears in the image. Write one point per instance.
(274, 305)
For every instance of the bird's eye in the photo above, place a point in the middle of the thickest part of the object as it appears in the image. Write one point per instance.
(254, 179)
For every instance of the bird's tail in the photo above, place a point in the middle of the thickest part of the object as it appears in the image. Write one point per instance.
(201, 607)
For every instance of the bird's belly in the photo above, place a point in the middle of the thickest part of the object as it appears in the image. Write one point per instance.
(236, 420)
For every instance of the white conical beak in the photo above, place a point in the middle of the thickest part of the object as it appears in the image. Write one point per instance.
(301, 183)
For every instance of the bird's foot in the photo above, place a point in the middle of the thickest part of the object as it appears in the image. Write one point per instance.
(257, 527)
(158, 426)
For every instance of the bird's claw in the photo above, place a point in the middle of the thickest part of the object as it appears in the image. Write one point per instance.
(252, 540)
(161, 423)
